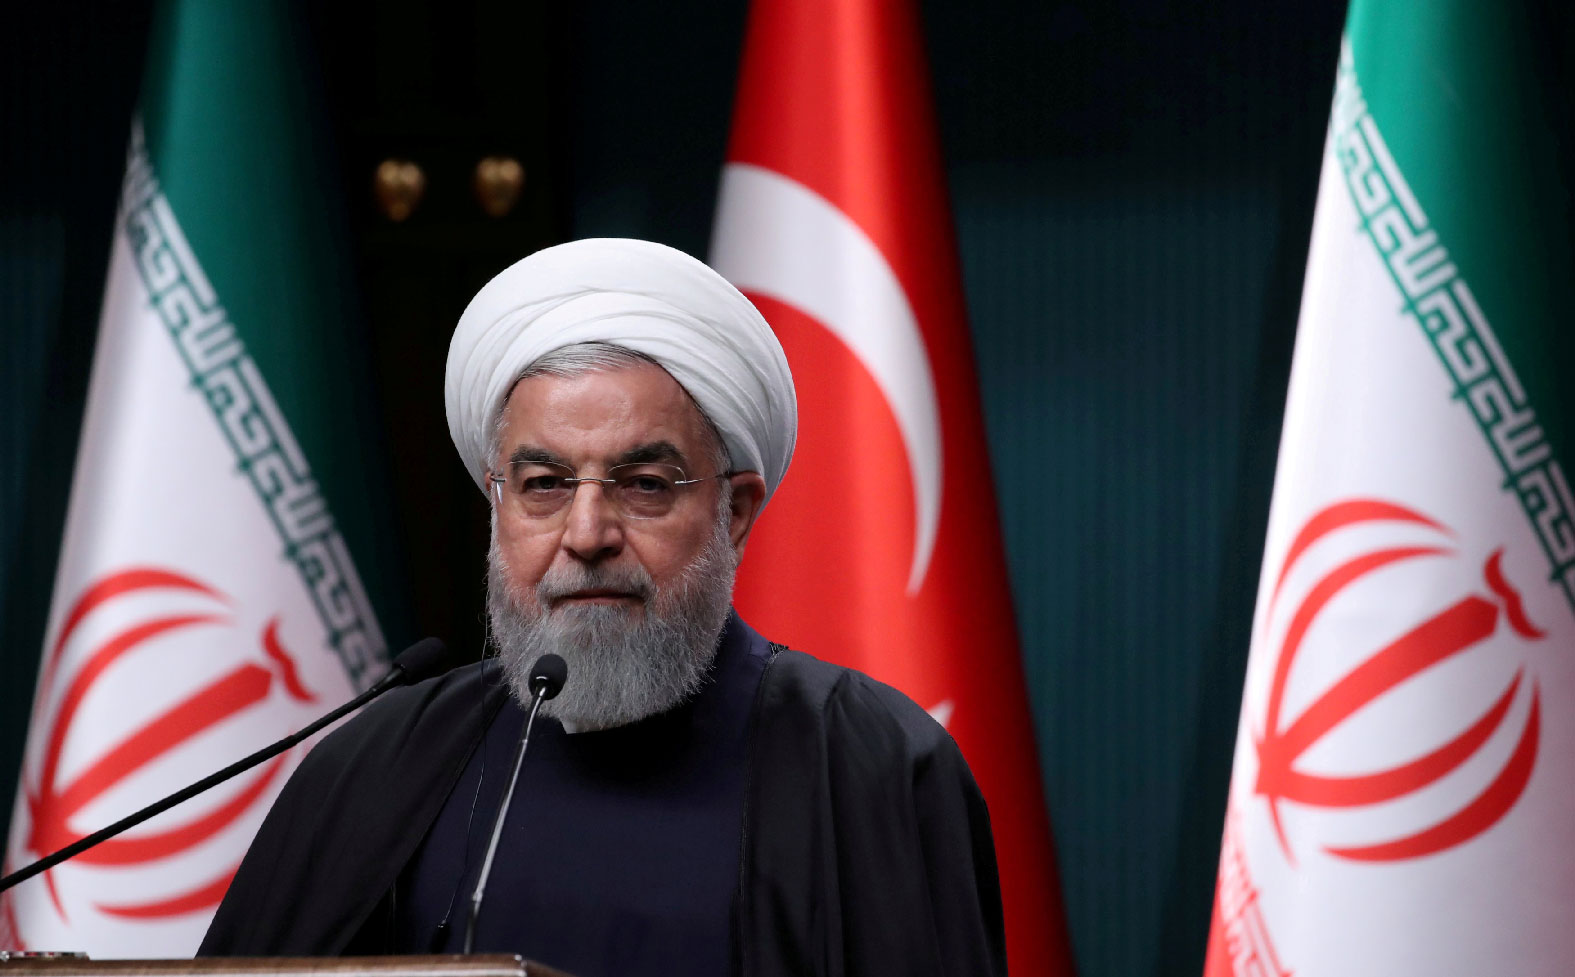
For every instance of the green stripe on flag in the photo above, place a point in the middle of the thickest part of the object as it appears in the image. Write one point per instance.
(1454, 87)
(1443, 304)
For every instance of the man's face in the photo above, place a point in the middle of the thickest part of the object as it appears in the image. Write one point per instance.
(634, 605)
(591, 423)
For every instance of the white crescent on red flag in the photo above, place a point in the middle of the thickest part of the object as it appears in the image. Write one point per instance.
(882, 551)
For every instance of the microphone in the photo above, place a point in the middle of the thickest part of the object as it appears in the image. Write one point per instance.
(547, 676)
(546, 681)
(425, 659)
(422, 660)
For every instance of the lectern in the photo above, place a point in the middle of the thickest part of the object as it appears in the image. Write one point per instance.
(479, 965)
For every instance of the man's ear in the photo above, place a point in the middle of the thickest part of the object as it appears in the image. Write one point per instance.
(749, 494)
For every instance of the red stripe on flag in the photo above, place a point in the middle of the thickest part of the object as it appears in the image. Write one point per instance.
(124, 582)
(203, 897)
(84, 679)
(222, 699)
(126, 851)
(1482, 813)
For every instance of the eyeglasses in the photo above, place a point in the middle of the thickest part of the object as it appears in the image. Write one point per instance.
(543, 489)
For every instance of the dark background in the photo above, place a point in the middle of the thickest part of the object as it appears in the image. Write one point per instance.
(1132, 184)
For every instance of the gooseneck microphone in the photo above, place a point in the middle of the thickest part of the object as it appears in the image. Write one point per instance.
(546, 680)
(422, 660)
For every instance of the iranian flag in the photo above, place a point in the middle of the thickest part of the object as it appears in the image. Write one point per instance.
(882, 550)
(208, 598)
(1403, 797)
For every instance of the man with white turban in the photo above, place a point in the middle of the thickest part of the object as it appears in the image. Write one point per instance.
(696, 800)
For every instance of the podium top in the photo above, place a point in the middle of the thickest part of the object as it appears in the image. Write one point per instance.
(476, 965)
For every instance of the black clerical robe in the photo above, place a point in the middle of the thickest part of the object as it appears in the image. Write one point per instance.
(614, 857)
(865, 846)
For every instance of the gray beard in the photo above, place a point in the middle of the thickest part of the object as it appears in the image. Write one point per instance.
(623, 666)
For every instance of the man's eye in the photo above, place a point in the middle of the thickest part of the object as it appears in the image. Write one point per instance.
(542, 483)
(647, 485)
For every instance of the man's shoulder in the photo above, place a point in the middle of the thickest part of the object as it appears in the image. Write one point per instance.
(846, 702)
(864, 819)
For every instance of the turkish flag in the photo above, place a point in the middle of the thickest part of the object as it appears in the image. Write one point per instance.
(881, 551)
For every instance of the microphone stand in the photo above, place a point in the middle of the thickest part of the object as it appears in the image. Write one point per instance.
(547, 677)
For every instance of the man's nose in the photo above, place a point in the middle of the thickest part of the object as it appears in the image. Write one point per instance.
(593, 529)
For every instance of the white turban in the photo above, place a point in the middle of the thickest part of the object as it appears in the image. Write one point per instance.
(642, 296)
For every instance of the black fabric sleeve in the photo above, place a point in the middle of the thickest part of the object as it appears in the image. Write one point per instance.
(867, 846)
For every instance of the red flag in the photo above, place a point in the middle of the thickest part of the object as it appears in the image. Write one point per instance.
(882, 551)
